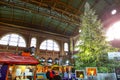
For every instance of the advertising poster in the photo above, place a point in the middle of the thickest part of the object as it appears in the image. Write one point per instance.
(91, 71)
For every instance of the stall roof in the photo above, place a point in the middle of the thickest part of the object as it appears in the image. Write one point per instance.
(11, 58)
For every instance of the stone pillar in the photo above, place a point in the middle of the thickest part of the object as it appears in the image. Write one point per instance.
(71, 50)
(61, 48)
(38, 45)
(71, 46)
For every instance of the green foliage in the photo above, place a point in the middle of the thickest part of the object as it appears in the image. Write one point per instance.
(93, 48)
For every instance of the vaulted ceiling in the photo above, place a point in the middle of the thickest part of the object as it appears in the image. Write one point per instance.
(54, 16)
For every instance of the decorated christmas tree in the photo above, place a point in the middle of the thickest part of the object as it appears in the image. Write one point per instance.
(93, 48)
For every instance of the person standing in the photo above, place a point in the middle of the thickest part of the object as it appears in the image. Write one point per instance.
(57, 76)
(50, 74)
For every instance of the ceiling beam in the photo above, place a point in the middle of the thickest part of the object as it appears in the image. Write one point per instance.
(32, 19)
(41, 21)
(58, 2)
(66, 29)
(57, 27)
(49, 24)
(15, 21)
(36, 30)
(41, 13)
(41, 4)
(81, 6)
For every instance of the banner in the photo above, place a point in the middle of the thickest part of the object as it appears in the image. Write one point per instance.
(3, 71)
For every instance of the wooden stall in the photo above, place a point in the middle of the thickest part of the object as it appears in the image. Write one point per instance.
(17, 67)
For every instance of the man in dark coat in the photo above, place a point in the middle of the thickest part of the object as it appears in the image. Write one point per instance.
(57, 76)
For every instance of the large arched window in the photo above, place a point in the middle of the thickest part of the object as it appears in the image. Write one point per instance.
(33, 42)
(65, 46)
(13, 40)
(49, 45)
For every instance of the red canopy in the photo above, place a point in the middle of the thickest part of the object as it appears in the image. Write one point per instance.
(10, 58)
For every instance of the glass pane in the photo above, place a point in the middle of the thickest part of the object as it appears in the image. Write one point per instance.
(14, 39)
(13, 43)
(65, 46)
(33, 45)
(56, 49)
(33, 42)
(14, 35)
(50, 45)
(49, 48)
(50, 41)
(55, 45)
(3, 42)
(21, 44)
(21, 39)
(43, 45)
(5, 38)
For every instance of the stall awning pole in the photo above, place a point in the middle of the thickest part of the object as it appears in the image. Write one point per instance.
(7, 73)
(35, 72)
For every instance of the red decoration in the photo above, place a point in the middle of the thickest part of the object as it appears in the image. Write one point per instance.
(26, 54)
(11, 58)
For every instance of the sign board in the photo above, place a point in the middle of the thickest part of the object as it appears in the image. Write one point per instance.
(91, 71)
(79, 74)
(113, 55)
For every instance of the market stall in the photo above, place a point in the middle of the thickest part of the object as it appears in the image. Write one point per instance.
(41, 71)
(17, 67)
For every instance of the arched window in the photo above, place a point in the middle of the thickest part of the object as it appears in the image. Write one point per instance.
(49, 45)
(33, 42)
(65, 46)
(13, 40)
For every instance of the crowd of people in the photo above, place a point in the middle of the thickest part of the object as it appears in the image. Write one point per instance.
(53, 75)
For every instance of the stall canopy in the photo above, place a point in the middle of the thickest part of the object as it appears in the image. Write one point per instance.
(11, 58)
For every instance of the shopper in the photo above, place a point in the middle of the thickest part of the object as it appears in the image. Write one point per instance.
(50, 74)
(57, 76)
